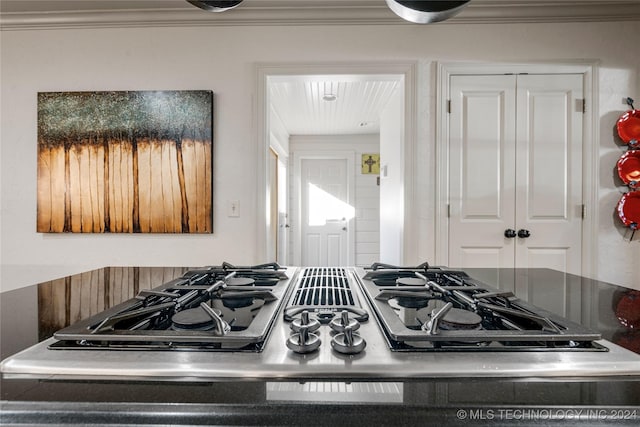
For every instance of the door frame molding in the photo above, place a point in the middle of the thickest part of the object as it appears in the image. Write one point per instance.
(409, 72)
(298, 157)
(590, 159)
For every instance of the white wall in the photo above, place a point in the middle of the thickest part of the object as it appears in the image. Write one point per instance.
(223, 59)
(392, 186)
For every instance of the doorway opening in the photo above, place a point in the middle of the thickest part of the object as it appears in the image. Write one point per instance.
(321, 121)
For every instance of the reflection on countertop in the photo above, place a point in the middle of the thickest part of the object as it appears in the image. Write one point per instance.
(613, 311)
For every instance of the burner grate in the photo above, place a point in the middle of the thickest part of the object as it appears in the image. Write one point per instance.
(417, 318)
(324, 291)
(214, 308)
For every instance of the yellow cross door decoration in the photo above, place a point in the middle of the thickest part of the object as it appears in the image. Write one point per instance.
(371, 164)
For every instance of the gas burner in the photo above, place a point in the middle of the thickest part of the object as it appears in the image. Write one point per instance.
(410, 281)
(240, 281)
(458, 319)
(416, 302)
(193, 319)
(385, 275)
(234, 303)
(200, 318)
(268, 266)
(381, 266)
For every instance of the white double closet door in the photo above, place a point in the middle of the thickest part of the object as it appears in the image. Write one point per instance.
(515, 153)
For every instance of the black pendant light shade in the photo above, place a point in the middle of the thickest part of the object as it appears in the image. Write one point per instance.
(215, 5)
(426, 12)
(417, 11)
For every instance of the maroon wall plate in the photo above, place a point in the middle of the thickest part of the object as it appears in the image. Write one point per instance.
(629, 209)
(629, 168)
(629, 127)
(629, 340)
(628, 310)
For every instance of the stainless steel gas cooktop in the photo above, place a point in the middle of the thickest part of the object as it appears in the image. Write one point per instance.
(377, 323)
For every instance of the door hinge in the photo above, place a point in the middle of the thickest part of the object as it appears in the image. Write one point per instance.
(449, 106)
(448, 211)
(584, 211)
(584, 106)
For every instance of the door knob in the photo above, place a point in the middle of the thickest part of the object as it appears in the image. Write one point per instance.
(344, 228)
(523, 234)
(510, 233)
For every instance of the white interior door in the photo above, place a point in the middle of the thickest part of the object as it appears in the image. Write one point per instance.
(326, 212)
(516, 165)
(482, 170)
(549, 171)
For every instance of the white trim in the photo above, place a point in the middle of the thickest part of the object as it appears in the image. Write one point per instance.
(277, 147)
(298, 157)
(407, 70)
(589, 69)
(309, 12)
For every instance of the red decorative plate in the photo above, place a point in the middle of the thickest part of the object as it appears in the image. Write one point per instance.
(629, 209)
(629, 127)
(629, 168)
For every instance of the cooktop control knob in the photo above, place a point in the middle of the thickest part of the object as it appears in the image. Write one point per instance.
(304, 320)
(341, 323)
(347, 342)
(303, 341)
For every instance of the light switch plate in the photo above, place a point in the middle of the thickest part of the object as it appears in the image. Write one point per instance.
(233, 209)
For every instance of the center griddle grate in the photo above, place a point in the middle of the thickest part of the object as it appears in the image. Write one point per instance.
(324, 291)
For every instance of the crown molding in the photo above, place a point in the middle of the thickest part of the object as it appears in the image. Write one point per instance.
(311, 12)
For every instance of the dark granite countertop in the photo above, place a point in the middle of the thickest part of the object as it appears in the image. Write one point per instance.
(31, 314)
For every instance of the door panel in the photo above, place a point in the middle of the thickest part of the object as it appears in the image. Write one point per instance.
(325, 212)
(546, 150)
(482, 187)
(484, 257)
(313, 249)
(335, 244)
(482, 135)
(548, 257)
(549, 189)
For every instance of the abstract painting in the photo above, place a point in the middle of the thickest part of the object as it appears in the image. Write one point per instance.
(125, 162)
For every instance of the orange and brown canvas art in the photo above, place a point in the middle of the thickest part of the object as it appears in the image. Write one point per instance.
(125, 162)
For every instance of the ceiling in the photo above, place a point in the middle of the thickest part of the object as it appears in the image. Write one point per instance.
(299, 103)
